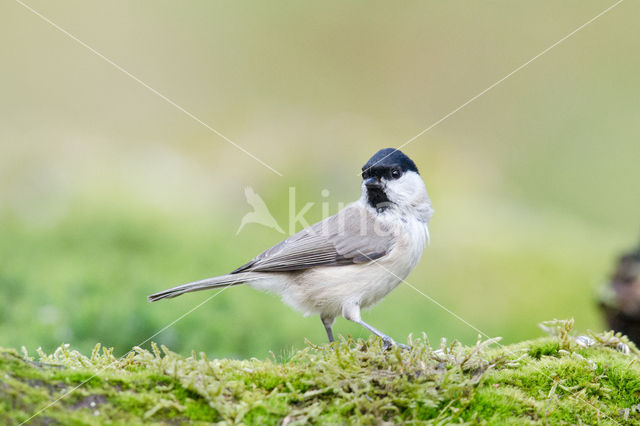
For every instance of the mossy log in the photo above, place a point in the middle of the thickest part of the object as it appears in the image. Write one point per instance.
(593, 379)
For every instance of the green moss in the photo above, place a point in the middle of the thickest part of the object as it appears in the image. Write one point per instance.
(545, 348)
(197, 410)
(502, 403)
(555, 379)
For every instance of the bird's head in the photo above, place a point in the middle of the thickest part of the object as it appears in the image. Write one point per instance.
(390, 179)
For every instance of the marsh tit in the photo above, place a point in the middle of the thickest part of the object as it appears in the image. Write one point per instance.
(350, 260)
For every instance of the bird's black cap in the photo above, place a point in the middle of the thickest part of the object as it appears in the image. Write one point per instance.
(390, 157)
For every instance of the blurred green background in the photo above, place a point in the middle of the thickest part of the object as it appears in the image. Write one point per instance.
(108, 193)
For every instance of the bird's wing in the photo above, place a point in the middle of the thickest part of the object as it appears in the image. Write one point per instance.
(349, 237)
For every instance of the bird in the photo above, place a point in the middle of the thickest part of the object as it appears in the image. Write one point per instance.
(260, 213)
(349, 261)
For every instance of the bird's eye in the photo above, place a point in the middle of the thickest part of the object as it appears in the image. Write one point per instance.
(395, 173)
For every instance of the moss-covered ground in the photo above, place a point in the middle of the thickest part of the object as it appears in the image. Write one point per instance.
(592, 379)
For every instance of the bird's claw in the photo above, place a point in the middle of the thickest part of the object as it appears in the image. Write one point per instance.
(405, 347)
(388, 342)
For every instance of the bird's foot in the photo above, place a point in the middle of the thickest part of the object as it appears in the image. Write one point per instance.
(388, 342)
(405, 347)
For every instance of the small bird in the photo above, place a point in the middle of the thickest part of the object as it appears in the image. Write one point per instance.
(348, 261)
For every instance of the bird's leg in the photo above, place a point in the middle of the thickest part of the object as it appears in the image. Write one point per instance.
(328, 322)
(351, 311)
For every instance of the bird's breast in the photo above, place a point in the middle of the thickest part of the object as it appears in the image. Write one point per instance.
(408, 248)
(390, 270)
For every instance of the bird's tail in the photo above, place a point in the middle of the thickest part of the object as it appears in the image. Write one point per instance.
(215, 282)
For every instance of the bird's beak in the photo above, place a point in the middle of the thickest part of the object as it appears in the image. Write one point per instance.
(373, 183)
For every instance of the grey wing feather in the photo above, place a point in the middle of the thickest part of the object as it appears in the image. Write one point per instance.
(346, 238)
